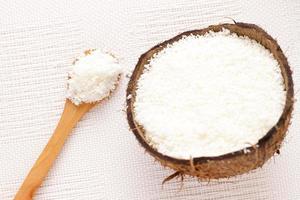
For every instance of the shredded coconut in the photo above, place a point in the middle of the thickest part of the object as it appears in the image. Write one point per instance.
(92, 77)
(209, 95)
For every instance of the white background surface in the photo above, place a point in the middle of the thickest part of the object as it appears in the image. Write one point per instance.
(102, 159)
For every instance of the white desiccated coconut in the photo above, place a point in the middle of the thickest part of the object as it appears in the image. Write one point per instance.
(93, 77)
(209, 95)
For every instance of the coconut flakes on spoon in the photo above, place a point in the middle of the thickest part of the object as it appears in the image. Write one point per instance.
(93, 76)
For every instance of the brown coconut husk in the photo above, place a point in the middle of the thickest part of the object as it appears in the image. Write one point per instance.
(237, 162)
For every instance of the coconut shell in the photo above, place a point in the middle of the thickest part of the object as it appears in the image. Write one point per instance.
(229, 164)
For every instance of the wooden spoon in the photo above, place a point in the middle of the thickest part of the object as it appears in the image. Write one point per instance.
(70, 116)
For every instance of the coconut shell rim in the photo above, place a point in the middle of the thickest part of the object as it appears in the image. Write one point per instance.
(198, 160)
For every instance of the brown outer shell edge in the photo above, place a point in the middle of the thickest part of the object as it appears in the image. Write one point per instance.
(237, 162)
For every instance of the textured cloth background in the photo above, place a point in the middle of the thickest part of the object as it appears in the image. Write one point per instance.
(102, 159)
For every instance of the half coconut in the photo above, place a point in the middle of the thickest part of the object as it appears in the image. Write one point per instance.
(230, 163)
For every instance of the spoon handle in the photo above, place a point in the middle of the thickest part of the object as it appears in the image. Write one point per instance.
(70, 116)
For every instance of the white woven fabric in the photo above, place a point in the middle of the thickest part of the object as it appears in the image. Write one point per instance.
(102, 159)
